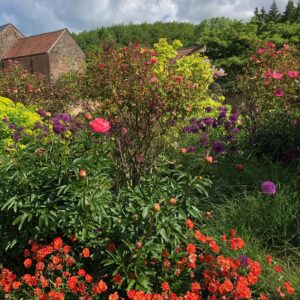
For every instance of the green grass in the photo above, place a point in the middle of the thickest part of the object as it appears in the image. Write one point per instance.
(269, 224)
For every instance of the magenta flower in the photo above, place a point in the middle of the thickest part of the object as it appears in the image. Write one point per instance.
(279, 93)
(268, 188)
(293, 74)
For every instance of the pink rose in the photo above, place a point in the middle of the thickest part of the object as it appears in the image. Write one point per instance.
(279, 93)
(293, 74)
(100, 125)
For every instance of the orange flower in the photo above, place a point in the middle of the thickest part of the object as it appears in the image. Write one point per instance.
(226, 287)
(200, 236)
(67, 249)
(88, 278)
(189, 223)
(165, 286)
(195, 287)
(55, 259)
(40, 266)
(85, 252)
(16, 284)
(113, 296)
(269, 259)
(27, 263)
(191, 248)
(237, 243)
(57, 243)
(263, 297)
(58, 282)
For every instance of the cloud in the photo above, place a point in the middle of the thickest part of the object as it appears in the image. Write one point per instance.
(36, 16)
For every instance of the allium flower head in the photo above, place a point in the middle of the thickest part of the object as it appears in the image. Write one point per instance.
(268, 188)
(218, 147)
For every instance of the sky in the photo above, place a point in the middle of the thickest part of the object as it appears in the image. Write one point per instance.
(37, 16)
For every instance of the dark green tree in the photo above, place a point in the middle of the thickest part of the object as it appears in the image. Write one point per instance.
(297, 12)
(289, 13)
(274, 14)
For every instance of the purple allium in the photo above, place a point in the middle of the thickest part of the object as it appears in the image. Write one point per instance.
(268, 188)
(194, 128)
(16, 136)
(187, 129)
(234, 118)
(208, 121)
(222, 114)
(64, 117)
(204, 140)
(21, 128)
(244, 260)
(222, 108)
(201, 124)
(12, 126)
(193, 120)
(191, 149)
(218, 147)
(230, 138)
(5, 120)
(236, 130)
(208, 109)
(59, 128)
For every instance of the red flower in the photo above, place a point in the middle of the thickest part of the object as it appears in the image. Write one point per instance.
(81, 272)
(100, 125)
(278, 269)
(263, 297)
(27, 263)
(165, 286)
(195, 287)
(289, 288)
(88, 278)
(200, 237)
(117, 279)
(189, 223)
(237, 243)
(16, 284)
(100, 65)
(113, 296)
(67, 249)
(85, 252)
(40, 266)
(191, 248)
(269, 259)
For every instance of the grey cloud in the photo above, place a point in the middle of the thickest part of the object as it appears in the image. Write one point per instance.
(36, 16)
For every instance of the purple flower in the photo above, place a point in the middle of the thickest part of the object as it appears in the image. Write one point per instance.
(38, 125)
(64, 117)
(5, 120)
(191, 149)
(208, 121)
(187, 129)
(208, 109)
(204, 140)
(268, 188)
(194, 128)
(244, 260)
(234, 118)
(16, 136)
(42, 113)
(218, 147)
(222, 114)
(59, 128)
(12, 126)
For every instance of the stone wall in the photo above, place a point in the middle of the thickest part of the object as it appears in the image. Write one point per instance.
(34, 64)
(7, 37)
(65, 56)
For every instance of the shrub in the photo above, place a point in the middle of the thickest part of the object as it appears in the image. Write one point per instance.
(270, 100)
(142, 97)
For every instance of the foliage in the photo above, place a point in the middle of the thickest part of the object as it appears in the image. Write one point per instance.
(58, 183)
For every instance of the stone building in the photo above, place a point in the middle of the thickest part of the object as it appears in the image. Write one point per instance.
(50, 54)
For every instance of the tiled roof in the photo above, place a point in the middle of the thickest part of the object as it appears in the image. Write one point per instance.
(189, 51)
(32, 45)
(2, 27)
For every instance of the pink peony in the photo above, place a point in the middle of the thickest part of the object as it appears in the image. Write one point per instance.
(279, 93)
(100, 125)
(293, 74)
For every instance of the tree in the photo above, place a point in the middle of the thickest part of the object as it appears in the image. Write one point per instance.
(289, 13)
(297, 12)
(274, 14)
